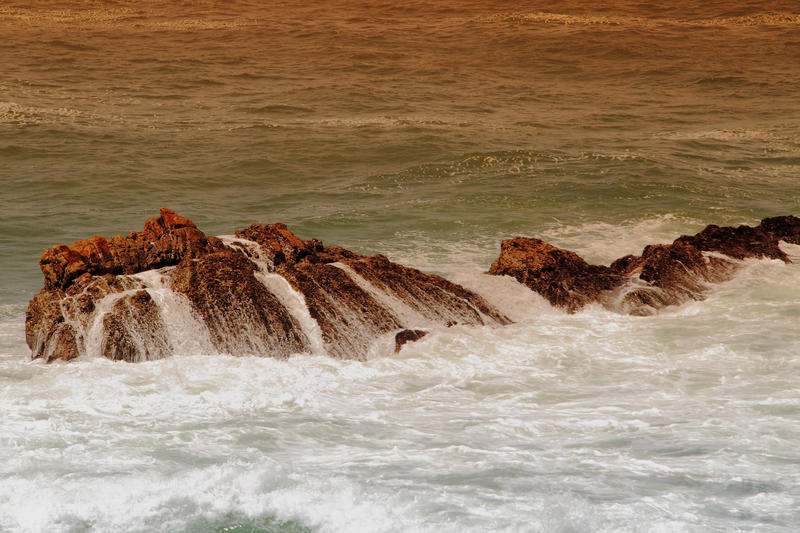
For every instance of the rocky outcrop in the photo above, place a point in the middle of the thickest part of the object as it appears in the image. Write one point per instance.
(264, 291)
(165, 241)
(170, 288)
(354, 299)
(663, 275)
(561, 276)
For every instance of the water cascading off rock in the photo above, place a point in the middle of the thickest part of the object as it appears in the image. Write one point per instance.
(172, 289)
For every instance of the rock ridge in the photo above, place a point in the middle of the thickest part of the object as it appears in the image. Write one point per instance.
(170, 288)
(663, 275)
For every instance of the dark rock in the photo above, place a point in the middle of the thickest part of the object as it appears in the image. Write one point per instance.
(134, 331)
(348, 314)
(91, 290)
(433, 297)
(666, 274)
(406, 336)
(242, 316)
(561, 276)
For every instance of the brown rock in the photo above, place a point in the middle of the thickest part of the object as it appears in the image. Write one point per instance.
(242, 316)
(134, 331)
(165, 241)
(785, 228)
(406, 336)
(282, 246)
(561, 276)
(63, 344)
(667, 274)
(433, 297)
(350, 318)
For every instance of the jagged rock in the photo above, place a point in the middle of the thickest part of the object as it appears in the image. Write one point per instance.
(561, 276)
(242, 316)
(165, 241)
(352, 312)
(245, 295)
(78, 276)
(406, 336)
(268, 292)
(666, 274)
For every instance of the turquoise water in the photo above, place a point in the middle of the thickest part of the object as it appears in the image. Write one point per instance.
(427, 132)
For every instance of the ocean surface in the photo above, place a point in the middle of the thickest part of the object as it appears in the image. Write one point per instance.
(429, 132)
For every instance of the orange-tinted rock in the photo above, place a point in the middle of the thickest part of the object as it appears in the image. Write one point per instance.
(165, 241)
(561, 276)
(242, 316)
(283, 246)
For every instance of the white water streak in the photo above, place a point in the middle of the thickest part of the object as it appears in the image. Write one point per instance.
(185, 330)
(95, 330)
(405, 314)
(291, 299)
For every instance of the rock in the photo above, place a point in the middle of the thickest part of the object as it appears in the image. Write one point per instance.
(433, 297)
(134, 331)
(266, 292)
(666, 274)
(561, 276)
(165, 241)
(406, 336)
(242, 316)
(355, 299)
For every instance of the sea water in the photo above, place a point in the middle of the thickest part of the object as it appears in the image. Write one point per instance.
(429, 132)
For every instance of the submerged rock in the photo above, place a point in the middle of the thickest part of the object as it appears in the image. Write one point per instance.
(170, 288)
(407, 335)
(665, 274)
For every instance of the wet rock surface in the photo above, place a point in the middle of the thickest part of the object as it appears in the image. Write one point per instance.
(172, 289)
(133, 330)
(407, 335)
(242, 316)
(663, 275)
(265, 292)
(355, 299)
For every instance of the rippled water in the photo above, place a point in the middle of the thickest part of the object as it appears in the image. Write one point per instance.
(428, 132)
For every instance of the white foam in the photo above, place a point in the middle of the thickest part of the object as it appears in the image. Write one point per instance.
(587, 422)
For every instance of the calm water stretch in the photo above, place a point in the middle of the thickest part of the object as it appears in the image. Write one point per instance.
(429, 132)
